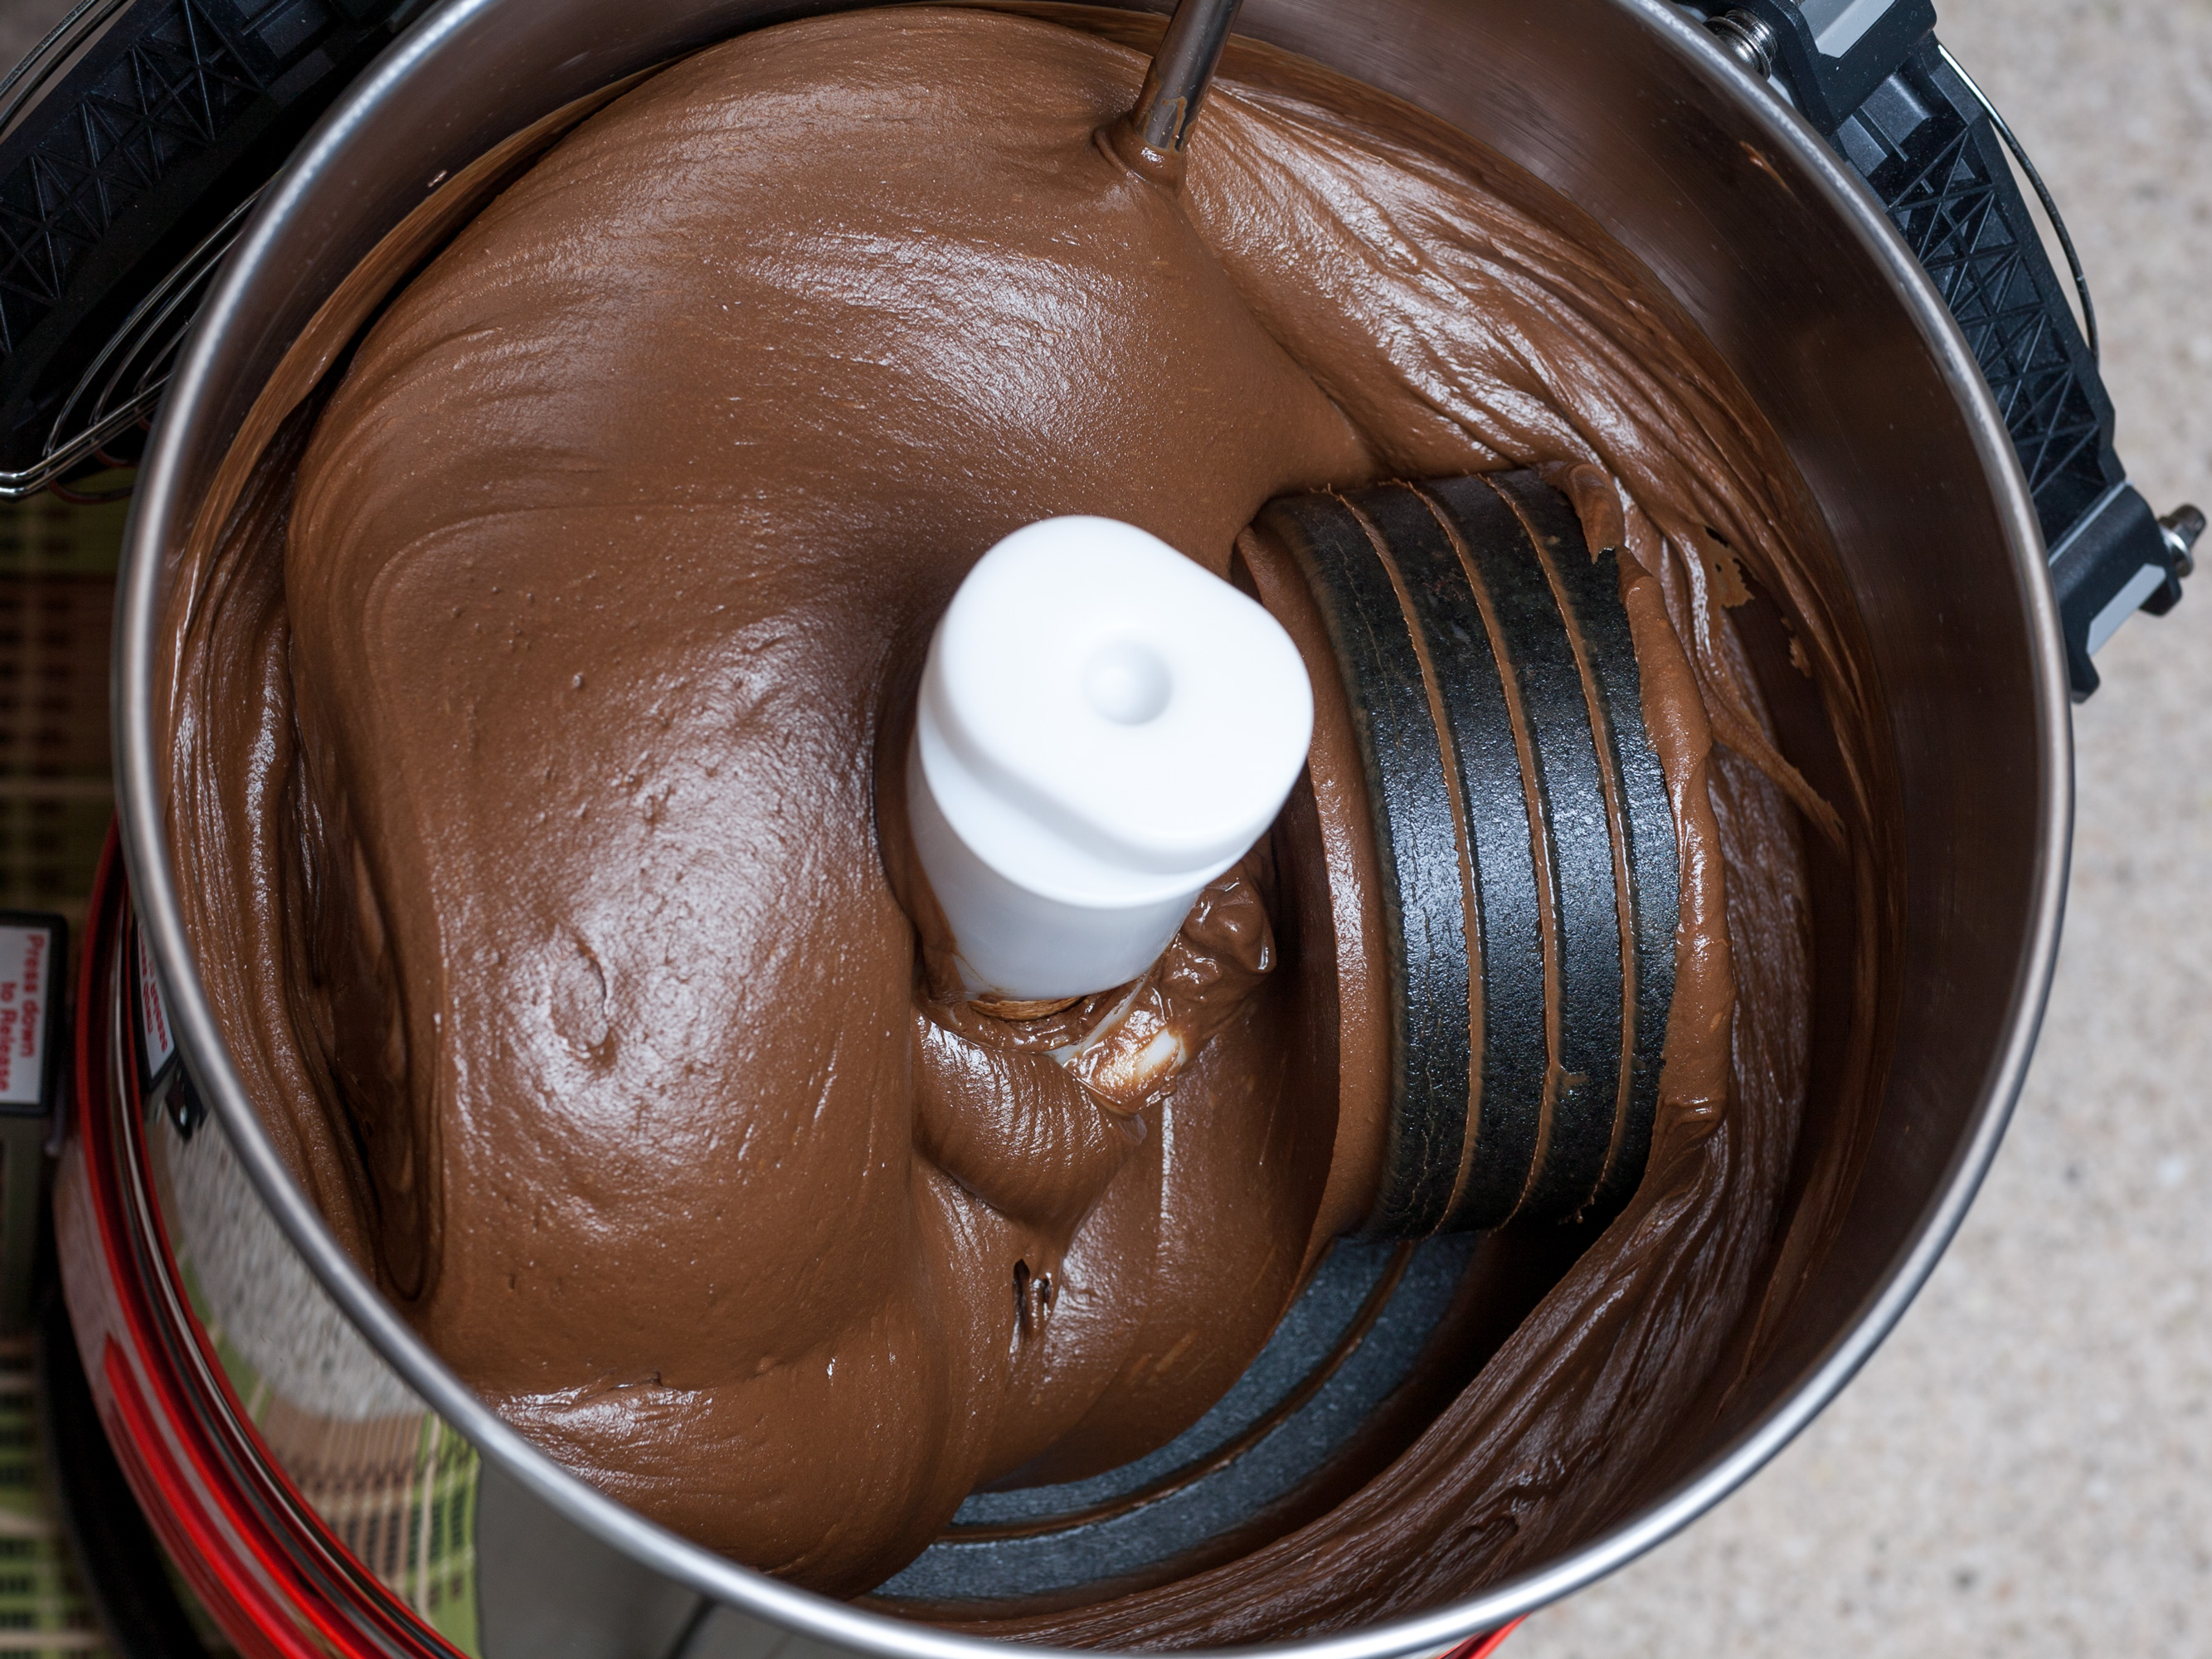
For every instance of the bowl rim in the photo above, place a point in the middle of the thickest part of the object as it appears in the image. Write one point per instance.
(160, 503)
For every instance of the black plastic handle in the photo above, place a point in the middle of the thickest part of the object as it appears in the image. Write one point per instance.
(161, 117)
(1878, 84)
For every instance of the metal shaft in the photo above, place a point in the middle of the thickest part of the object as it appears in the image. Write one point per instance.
(1167, 108)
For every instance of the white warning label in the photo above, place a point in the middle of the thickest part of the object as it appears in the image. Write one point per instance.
(27, 972)
(153, 1012)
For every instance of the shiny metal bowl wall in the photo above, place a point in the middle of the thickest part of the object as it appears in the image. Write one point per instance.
(1791, 270)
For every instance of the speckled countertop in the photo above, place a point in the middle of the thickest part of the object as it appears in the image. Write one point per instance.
(2023, 1470)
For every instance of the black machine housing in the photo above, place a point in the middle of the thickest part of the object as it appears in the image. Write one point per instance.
(130, 142)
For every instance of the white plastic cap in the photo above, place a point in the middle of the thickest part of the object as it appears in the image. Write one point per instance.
(1104, 728)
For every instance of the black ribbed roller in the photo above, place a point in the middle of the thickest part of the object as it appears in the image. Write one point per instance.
(1525, 840)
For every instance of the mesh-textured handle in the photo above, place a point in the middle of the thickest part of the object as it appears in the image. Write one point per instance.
(1932, 153)
(175, 112)
(1929, 146)
(1875, 82)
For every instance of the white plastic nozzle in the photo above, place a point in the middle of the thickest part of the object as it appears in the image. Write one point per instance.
(1104, 726)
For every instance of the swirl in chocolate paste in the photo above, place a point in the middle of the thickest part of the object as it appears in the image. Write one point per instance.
(529, 709)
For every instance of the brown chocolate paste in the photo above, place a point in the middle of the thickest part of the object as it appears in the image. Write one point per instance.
(535, 670)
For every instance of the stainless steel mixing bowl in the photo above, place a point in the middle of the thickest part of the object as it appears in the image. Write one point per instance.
(1791, 269)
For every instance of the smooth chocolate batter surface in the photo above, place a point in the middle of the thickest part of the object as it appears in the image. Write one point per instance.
(537, 714)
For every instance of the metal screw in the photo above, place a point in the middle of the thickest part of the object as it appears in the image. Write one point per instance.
(2182, 527)
(1748, 38)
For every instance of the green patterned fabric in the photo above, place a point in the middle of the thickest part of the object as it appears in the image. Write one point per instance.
(47, 535)
(57, 563)
(398, 1490)
(43, 1608)
(397, 1485)
(440, 1581)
